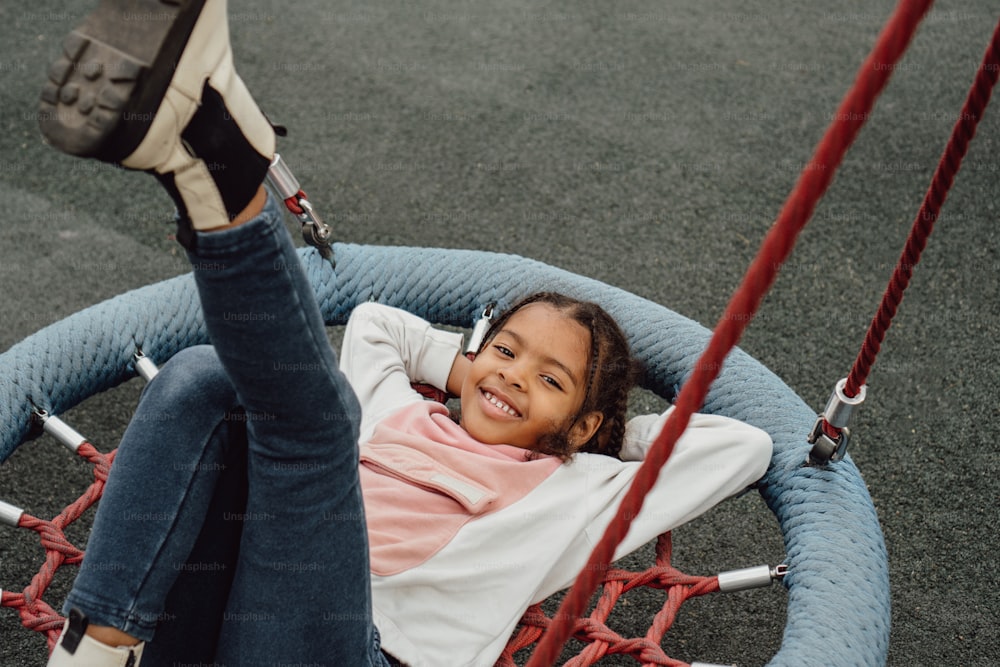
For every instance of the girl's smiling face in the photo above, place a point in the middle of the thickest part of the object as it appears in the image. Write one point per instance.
(529, 381)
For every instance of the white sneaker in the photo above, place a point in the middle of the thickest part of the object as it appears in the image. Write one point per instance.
(75, 649)
(151, 85)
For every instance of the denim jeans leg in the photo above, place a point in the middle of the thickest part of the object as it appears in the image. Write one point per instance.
(188, 629)
(302, 591)
(162, 483)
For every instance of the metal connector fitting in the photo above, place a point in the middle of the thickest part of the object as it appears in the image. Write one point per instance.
(837, 414)
(10, 515)
(281, 178)
(479, 332)
(60, 430)
(144, 366)
(840, 408)
(824, 448)
(315, 232)
(750, 577)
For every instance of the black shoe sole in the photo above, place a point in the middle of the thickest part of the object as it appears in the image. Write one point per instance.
(105, 90)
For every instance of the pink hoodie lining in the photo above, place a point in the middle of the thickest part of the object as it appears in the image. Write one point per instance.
(424, 477)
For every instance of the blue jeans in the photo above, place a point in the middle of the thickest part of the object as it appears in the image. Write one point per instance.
(232, 527)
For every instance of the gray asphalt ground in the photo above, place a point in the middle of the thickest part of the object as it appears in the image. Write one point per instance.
(649, 145)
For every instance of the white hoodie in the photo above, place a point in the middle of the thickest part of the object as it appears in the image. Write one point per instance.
(465, 536)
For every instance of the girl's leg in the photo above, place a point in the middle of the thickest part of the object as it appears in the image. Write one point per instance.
(304, 570)
(171, 507)
(301, 592)
(188, 629)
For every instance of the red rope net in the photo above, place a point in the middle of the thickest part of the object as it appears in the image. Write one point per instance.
(594, 630)
(35, 613)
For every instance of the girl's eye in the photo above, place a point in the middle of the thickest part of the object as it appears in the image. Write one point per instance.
(503, 350)
(552, 381)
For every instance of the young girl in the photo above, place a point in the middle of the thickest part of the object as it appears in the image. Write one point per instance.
(242, 523)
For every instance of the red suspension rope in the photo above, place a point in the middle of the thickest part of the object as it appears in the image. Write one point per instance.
(923, 224)
(777, 246)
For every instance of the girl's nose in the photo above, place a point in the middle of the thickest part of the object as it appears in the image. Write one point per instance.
(511, 376)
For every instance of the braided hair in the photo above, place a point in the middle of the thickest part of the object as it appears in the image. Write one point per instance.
(611, 373)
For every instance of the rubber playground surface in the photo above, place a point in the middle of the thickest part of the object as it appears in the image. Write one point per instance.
(648, 145)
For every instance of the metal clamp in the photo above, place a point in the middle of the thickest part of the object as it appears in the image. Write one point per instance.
(59, 429)
(824, 448)
(315, 232)
(830, 435)
(479, 332)
(751, 577)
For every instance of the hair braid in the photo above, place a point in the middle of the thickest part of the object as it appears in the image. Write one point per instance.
(615, 427)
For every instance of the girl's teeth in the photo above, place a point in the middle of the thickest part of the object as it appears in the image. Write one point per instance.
(500, 404)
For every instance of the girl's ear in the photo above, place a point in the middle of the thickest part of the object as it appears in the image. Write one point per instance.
(584, 429)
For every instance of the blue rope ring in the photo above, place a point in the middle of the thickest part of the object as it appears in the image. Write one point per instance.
(838, 583)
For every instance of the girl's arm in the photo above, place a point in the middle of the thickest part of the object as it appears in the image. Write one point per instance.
(459, 369)
(716, 457)
(385, 349)
(641, 431)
